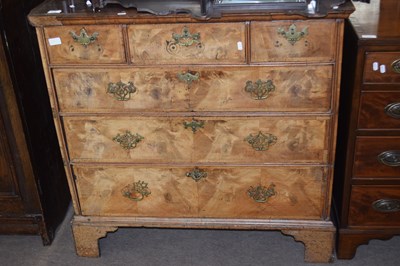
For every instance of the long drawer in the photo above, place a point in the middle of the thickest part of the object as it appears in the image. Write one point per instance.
(377, 157)
(375, 206)
(272, 89)
(217, 192)
(379, 110)
(199, 139)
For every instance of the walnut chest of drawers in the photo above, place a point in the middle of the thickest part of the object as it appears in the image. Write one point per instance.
(367, 180)
(175, 122)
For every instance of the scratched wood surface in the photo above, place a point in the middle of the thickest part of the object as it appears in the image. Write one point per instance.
(317, 45)
(222, 194)
(107, 48)
(296, 89)
(222, 139)
(219, 43)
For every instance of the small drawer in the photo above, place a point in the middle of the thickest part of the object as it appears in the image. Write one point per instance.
(293, 41)
(200, 139)
(379, 110)
(202, 192)
(193, 88)
(382, 67)
(85, 45)
(377, 157)
(375, 206)
(197, 43)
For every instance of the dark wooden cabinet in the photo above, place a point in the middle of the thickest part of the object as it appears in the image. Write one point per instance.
(33, 188)
(367, 174)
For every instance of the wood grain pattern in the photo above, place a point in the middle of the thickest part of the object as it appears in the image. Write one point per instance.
(383, 58)
(299, 139)
(372, 110)
(366, 164)
(219, 44)
(269, 46)
(222, 194)
(297, 89)
(108, 48)
(361, 212)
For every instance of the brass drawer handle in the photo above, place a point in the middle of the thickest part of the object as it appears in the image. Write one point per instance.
(136, 191)
(128, 140)
(393, 110)
(386, 205)
(261, 193)
(188, 77)
(396, 66)
(292, 35)
(390, 158)
(185, 39)
(121, 91)
(197, 174)
(261, 141)
(194, 125)
(84, 38)
(259, 90)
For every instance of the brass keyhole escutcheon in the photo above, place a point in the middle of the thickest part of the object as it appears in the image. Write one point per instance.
(128, 140)
(121, 91)
(136, 191)
(259, 90)
(197, 174)
(261, 141)
(194, 125)
(84, 38)
(292, 35)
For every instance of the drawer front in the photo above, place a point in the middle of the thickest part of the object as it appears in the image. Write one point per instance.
(391, 63)
(379, 110)
(224, 192)
(219, 43)
(204, 139)
(280, 89)
(296, 41)
(84, 45)
(377, 157)
(375, 206)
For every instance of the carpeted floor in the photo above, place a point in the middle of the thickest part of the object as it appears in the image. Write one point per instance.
(167, 247)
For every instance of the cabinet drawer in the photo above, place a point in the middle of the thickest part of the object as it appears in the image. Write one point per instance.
(84, 45)
(197, 43)
(379, 110)
(221, 192)
(391, 63)
(304, 41)
(375, 206)
(377, 157)
(204, 139)
(271, 89)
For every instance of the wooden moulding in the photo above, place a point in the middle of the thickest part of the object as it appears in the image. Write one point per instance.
(317, 236)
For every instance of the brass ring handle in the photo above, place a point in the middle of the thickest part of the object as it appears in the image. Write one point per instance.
(393, 110)
(84, 38)
(185, 39)
(136, 191)
(390, 158)
(396, 66)
(188, 77)
(261, 193)
(121, 91)
(259, 90)
(194, 125)
(128, 140)
(386, 205)
(197, 174)
(261, 141)
(292, 35)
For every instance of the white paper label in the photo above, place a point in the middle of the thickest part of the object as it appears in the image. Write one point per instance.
(122, 13)
(375, 66)
(55, 41)
(382, 69)
(368, 36)
(240, 46)
(58, 11)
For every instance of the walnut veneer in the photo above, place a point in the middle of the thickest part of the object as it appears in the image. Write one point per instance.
(169, 121)
(367, 191)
